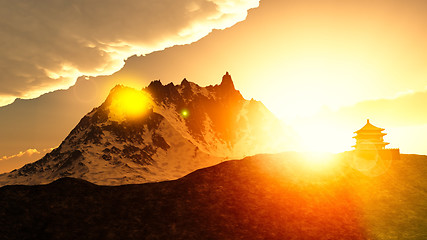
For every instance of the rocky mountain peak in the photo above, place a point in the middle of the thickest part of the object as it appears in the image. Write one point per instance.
(185, 82)
(227, 82)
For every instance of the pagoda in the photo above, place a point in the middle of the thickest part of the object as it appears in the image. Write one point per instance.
(370, 137)
(370, 145)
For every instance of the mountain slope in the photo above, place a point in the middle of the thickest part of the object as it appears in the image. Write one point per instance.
(178, 129)
(261, 197)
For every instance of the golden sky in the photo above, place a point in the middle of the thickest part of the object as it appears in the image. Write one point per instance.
(323, 67)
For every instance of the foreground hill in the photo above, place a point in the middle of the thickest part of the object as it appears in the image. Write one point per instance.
(261, 197)
(162, 132)
(281, 196)
(393, 201)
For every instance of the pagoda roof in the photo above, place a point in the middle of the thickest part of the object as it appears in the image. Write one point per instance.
(370, 128)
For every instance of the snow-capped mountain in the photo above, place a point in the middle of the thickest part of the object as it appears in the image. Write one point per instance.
(162, 132)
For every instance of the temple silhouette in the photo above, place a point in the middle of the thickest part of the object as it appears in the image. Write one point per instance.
(370, 144)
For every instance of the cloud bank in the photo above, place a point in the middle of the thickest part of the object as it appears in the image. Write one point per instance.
(47, 44)
(9, 163)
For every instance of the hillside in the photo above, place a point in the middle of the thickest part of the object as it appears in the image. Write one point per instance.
(277, 196)
(261, 197)
(394, 201)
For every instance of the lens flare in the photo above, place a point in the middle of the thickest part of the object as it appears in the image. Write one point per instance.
(185, 113)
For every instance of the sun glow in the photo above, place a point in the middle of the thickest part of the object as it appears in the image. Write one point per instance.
(319, 161)
(320, 135)
(128, 103)
(307, 167)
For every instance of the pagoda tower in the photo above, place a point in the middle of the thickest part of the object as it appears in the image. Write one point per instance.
(370, 155)
(370, 137)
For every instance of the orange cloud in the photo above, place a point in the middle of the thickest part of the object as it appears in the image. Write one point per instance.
(47, 45)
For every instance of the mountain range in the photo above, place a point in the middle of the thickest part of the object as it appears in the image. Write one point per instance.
(183, 128)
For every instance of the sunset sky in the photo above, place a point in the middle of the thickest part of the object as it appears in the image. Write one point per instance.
(323, 67)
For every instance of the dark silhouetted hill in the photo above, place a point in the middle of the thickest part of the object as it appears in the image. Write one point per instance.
(260, 197)
(281, 196)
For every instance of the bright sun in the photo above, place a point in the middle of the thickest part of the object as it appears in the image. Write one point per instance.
(128, 103)
(321, 135)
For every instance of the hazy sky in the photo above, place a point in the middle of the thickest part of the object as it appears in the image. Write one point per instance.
(321, 66)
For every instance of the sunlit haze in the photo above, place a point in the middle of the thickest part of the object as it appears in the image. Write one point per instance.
(322, 67)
